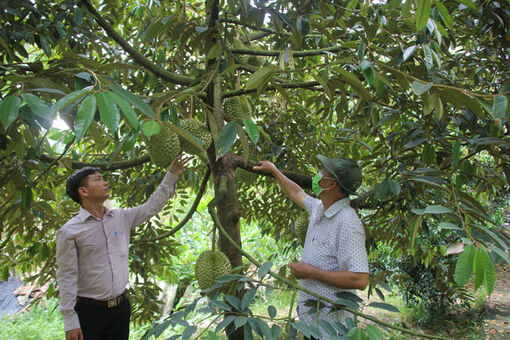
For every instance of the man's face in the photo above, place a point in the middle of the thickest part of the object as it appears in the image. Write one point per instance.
(95, 188)
(327, 179)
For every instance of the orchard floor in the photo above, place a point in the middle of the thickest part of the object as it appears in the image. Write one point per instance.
(492, 322)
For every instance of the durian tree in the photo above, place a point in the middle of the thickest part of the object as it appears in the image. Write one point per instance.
(416, 91)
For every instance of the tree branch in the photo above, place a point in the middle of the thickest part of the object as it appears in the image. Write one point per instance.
(303, 181)
(304, 85)
(186, 218)
(157, 70)
(103, 166)
(276, 53)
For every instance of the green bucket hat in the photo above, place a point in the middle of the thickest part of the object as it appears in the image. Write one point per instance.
(345, 170)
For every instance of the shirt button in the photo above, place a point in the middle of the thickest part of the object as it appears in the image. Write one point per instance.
(109, 251)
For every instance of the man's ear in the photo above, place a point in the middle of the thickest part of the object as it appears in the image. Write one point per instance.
(82, 191)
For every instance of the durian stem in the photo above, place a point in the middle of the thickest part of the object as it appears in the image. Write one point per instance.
(214, 237)
(211, 206)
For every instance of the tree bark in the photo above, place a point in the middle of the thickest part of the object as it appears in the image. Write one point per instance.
(222, 168)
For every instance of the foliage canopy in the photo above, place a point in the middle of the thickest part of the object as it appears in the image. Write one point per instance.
(416, 91)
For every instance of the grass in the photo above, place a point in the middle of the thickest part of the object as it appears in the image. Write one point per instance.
(44, 321)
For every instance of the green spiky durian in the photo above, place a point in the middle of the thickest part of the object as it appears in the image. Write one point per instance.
(301, 227)
(246, 177)
(236, 108)
(198, 130)
(164, 146)
(210, 266)
(252, 60)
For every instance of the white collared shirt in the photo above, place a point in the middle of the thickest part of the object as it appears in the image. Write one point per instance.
(92, 253)
(335, 241)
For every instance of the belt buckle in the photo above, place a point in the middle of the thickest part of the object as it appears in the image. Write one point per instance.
(113, 302)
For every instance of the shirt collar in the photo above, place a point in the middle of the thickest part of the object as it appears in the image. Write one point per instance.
(337, 206)
(84, 214)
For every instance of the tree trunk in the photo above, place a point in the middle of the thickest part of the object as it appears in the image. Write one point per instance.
(222, 168)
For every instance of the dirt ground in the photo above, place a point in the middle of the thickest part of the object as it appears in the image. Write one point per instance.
(495, 314)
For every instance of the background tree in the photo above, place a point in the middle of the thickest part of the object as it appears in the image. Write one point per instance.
(416, 91)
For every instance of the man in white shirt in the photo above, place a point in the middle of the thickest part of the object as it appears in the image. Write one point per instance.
(92, 255)
(334, 255)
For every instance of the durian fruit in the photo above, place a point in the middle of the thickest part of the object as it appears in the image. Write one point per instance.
(210, 266)
(164, 146)
(236, 108)
(198, 130)
(245, 177)
(301, 227)
(252, 60)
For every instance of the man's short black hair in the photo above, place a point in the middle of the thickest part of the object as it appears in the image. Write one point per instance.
(78, 179)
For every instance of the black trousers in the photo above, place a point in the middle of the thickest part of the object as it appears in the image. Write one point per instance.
(103, 323)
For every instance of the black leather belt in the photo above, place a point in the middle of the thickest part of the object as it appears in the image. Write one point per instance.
(104, 303)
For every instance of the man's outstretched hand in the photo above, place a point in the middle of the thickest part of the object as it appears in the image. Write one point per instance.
(179, 164)
(265, 166)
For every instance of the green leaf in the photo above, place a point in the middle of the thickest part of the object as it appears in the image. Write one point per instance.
(214, 52)
(373, 332)
(84, 116)
(78, 16)
(9, 110)
(415, 228)
(108, 111)
(489, 273)
(355, 83)
(265, 329)
(464, 266)
(447, 225)
(394, 187)
(456, 154)
(150, 128)
(271, 311)
(248, 297)
(369, 75)
(5, 273)
(468, 3)
(252, 130)
(447, 18)
(71, 98)
(427, 53)
(26, 197)
(422, 14)
(189, 137)
(478, 268)
(226, 138)
(37, 105)
(260, 77)
(264, 269)
(419, 88)
(437, 209)
(409, 52)
(499, 107)
(233, 301)
(224, 323)
(134, 100)
(240, 321)
(385, 306)
(244, 142)
(126, 109)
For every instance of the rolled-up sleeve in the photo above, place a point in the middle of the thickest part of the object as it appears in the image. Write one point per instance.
(67, 278)
(155, 203)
